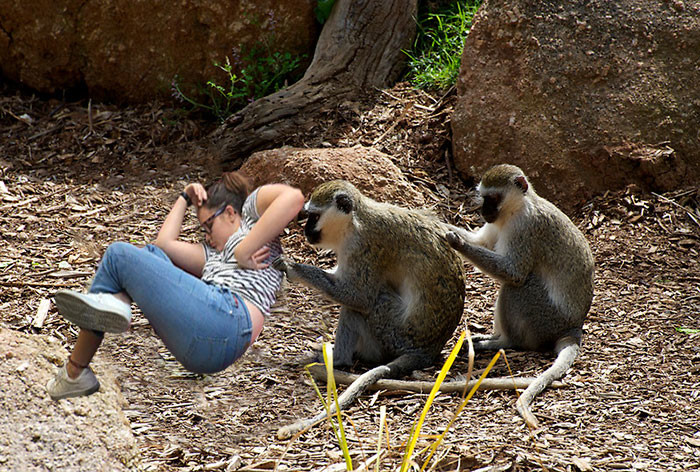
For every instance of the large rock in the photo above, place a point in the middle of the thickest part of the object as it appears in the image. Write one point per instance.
(36, 433)
(130, 51)
(371, 171)
(585, 96)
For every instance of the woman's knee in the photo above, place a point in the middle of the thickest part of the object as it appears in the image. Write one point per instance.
(156, 251)
(121, 249)
(118, 249)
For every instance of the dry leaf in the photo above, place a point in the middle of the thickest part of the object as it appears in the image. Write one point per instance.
(583, 465)
(41, 312)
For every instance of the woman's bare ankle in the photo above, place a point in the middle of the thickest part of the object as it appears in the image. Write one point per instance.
(74, 369)
(122, 297)
(73, 372)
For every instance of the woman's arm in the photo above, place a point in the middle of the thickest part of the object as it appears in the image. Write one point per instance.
(187, 256)
(277, 205)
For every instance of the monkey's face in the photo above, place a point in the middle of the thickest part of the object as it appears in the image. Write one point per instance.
(491, 206)
(328, 225)
(499, 204)
(312, 232)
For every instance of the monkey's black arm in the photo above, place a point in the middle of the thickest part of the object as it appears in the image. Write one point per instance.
(496, 265)
(327, 283)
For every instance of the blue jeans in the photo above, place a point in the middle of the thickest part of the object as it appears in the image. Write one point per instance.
(206, 327)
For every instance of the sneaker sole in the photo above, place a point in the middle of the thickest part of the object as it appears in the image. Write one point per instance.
(83, 313)
(81, 393)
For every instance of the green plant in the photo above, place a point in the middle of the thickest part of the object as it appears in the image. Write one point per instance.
(332, 392)
(248, 76)
(687, 330)
(408, 455)
(435, 57)
(323, 10)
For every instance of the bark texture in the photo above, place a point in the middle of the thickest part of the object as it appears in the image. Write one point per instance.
(360, 48)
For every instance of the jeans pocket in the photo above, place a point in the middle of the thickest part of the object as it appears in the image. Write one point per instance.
(206, 355)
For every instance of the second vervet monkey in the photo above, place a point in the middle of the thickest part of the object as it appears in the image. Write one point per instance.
(545, 269)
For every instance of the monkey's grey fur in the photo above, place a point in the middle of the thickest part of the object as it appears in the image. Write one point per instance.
(399, 284)
(545, 268)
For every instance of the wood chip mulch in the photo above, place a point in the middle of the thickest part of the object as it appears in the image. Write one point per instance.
(76, 176)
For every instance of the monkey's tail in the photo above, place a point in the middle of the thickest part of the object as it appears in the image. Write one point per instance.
(348, 396)
(567, 350)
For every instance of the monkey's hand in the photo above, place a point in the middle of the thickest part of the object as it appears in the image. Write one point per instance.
(456, 241)
(282, 264)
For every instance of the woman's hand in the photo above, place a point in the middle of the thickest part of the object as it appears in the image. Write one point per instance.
(187, 256)
(255, 260)
(277, 205)
(197, 194)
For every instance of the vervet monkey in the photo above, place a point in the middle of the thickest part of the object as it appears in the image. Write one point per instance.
(545, 268)
(399, 284)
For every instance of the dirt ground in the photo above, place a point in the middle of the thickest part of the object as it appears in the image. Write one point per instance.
(75, 176)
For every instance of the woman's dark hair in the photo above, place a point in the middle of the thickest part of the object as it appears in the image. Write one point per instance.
(232, 189)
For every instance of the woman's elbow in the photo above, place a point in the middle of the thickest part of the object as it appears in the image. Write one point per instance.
(290, 200)
(296, 200)
(161, 243)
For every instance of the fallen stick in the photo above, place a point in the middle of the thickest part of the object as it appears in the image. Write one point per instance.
(419, 386)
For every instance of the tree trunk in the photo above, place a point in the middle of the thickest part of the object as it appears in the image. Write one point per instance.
(360, 48)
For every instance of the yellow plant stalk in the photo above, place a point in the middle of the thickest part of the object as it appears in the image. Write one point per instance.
(437, 442)
(436, 387)
(382, 419)
(333, 391)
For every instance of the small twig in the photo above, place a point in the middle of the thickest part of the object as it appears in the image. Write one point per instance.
(37, 284)
(41, 313)
(43, 133)
(57, 109)
(449, 167)
(389, 130)
(388, 94)
(444, 96)
(89, 110)
(678, 205)
(401, 116)
(18, 118)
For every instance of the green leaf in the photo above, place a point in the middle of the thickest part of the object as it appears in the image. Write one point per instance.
(323, 10)
(687, 330)
(435, 58)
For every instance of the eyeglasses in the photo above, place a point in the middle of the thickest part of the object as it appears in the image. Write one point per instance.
(206, 226)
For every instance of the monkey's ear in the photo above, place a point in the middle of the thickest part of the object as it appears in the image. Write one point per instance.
(521, 183)
(343, 202)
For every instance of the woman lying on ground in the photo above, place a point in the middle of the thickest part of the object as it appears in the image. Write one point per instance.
(207, 302)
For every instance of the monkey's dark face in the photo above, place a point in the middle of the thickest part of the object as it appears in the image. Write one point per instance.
(312, 233)
(329, 214)
(491, 206)
(327, 225)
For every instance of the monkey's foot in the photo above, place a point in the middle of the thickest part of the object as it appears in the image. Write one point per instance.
(489, 342)
(310, 357)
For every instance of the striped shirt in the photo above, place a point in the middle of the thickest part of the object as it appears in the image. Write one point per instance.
(259, 287)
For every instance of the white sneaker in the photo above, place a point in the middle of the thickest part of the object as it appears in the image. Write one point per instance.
(63, 386)
(94, 311)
